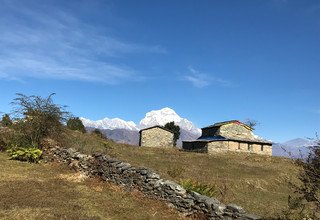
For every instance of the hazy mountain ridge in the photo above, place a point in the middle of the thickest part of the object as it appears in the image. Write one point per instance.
(120, 135)
(293, 148)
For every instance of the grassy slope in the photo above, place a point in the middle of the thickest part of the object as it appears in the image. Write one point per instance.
(52, 191)
(258, 183)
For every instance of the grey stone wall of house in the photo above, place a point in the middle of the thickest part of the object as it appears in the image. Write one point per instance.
(214, 147)
(235, 146)
(235, 131)
(150, 183)
(217, 147)
(156, 137)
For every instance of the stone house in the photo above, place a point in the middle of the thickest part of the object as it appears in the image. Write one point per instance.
(156, 136)
(228, 136)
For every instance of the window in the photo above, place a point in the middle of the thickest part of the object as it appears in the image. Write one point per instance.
(261, 147)
(239, 146)
(249, 147)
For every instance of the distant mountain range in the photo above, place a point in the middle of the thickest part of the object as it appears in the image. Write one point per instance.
(128, 132)
(293, 148)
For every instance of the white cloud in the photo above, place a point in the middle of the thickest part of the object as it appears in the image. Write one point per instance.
(200, 80)
(51, 43)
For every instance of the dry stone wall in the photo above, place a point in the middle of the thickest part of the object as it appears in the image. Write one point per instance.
(150, 183)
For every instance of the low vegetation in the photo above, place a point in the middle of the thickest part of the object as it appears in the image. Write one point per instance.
(29, 154)
(76, 124)
(53, 191)
(203, 189)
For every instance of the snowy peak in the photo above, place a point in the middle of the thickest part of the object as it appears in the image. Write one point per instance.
(107, 123)
(159, 117)
(152, 118)
(165, 115)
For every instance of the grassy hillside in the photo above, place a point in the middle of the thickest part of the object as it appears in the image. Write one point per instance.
(52, 191)
(258, 183)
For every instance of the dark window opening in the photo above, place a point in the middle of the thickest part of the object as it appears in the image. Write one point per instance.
(261, 147)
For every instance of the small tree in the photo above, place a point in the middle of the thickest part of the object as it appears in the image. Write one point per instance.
(251, 123)
(38, 117)
(6, 120)
(76, 124)
(305, 203)
(98, 133)
(175, 129)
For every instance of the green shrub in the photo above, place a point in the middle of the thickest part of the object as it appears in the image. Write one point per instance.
(76, 124)
(6, 120)
(29, 154)
(203, 189)
(10, 137)
(98, 133)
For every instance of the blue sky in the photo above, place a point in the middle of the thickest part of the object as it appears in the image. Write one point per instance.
(208, 60)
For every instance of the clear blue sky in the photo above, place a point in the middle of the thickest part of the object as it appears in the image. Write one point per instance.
(208, 60)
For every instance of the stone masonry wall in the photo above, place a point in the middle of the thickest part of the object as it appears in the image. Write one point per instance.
(255, 148)
(217, 147)
(267, 149)
(235, 131)
(150, 183)
(156, 137)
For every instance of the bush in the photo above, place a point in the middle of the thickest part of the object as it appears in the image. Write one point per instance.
(76, 125)
(98, 133)
(10, 137)
(38, 117)
(29, 154)
(203, 189)
(6, 121)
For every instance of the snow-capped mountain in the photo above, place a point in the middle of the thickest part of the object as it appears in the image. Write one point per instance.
(152, 118)
(165, 115)
(107, 123)
(127, 131)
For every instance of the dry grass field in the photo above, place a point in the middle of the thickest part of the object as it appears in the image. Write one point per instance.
(258, 183)
(52, 191)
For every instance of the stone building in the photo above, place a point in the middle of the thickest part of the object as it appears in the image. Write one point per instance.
(228, 136)
(156, 136)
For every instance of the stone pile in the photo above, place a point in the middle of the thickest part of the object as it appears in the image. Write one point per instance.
(150, 183)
